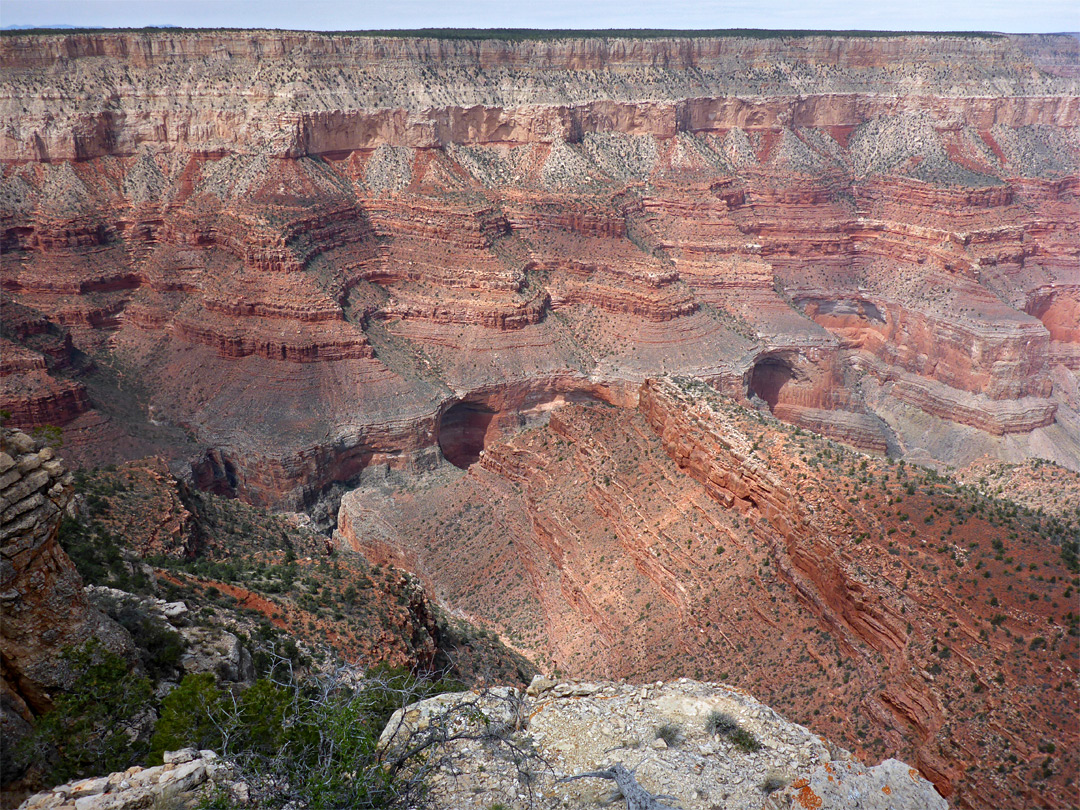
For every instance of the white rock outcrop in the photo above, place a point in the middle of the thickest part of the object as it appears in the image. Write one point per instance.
(665, 734)
(184, 780)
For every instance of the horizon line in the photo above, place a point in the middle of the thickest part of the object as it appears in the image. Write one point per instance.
(462, 32)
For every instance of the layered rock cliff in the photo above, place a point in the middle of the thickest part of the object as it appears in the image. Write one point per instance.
(44, 607)
(310, 94)
(349, 236)
(877, 603)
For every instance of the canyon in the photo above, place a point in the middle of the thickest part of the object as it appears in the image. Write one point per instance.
(627, 348)
(690, 537)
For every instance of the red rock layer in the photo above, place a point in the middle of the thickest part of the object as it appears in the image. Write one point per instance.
(563, 212)
(688, 536)
(38, 399)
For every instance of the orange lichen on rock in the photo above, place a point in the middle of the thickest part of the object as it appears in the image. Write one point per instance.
(805, 796)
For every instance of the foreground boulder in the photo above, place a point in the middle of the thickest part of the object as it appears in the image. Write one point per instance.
(685, 744)
(187, 777)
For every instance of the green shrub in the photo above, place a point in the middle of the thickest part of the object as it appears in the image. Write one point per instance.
(262, 720)
(306, 743)
(193, 715)
(724, 725)
(52, 435)
(670, 733)
(745, 741)
(94, 727)
(97, 554)
(720, 723)
(160, 645)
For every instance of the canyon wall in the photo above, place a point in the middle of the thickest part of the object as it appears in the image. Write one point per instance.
(877, 603)
(349, 235)
(44, 607)
(315, 94)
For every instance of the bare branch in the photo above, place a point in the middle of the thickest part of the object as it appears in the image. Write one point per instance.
(637, 798)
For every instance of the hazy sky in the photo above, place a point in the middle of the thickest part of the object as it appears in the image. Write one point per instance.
(1014, 16)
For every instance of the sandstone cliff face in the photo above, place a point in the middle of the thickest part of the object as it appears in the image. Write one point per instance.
(36, 398)
(493, 92)
(44, 608)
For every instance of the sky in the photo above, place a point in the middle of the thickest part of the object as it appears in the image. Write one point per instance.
(1011, 16)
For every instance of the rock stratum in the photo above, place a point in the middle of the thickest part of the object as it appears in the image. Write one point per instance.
(305, 255)
(472, 285)
(880, 604)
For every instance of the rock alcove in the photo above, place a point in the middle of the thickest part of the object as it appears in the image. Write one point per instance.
(767, 377)
(462, 432)
(467, 426)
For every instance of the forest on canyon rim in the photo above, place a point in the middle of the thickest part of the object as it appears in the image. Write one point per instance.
(738, 358)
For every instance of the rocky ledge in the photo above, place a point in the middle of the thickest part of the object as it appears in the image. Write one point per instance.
(185, 779)
(698, 745)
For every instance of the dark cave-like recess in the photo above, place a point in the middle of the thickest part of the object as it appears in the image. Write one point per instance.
(768, 377)
(462, 432)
